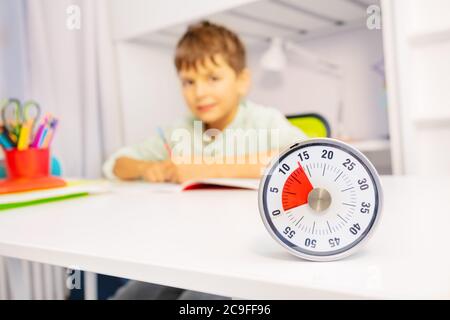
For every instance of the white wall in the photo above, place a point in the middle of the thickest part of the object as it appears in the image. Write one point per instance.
(151, 95)
(297, 89)
(12, 48)
(301, 89)
(13, 65)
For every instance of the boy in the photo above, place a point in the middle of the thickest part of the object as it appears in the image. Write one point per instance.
(210, 61)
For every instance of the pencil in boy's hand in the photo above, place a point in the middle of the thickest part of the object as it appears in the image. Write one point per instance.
(166, 143)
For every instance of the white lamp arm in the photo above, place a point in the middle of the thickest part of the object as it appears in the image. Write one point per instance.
(312, 58)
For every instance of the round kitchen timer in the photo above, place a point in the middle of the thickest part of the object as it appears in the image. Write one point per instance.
(320, 199)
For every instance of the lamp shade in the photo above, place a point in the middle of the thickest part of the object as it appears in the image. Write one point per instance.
(274, 59)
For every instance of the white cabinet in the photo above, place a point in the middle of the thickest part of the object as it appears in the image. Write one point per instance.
(136, 17)
(425, 16)
(417, 50)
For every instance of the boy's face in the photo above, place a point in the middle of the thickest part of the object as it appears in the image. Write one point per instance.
(213, 91)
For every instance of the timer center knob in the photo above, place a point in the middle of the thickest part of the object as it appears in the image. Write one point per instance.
(319, 199)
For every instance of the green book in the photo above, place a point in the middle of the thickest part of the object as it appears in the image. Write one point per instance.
(74, 189)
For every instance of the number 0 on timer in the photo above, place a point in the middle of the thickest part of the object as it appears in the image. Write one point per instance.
(320, 199)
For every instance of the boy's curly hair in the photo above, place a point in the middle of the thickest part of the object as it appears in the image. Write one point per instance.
(205, 40)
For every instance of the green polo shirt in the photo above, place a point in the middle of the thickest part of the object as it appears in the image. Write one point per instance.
(255, 129)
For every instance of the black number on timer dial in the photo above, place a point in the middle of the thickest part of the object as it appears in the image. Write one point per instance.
(290, 233)
(303, 155)
(327, 154)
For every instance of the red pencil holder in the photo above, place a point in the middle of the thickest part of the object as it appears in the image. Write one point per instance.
(28, 170)
(27, 164)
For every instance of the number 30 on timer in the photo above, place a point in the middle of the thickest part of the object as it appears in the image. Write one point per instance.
(320, 199)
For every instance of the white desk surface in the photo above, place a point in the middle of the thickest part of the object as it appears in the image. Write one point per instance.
(214, 241)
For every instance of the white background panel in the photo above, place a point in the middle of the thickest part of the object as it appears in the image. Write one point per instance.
(337, 9)
(272, 12)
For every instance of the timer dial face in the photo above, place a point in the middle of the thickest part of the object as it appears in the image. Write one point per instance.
(320, 199)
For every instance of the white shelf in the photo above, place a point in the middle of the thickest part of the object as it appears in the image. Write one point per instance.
(428, 37)
(375, 145)
(434, 121)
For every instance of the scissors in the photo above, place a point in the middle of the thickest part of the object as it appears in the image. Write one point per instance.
(15, 114)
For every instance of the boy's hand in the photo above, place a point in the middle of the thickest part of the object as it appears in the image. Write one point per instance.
(184, 172)
(167, 171)
(161, 171)
(129, 169)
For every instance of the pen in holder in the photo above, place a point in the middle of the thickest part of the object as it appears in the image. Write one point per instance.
(26, 141)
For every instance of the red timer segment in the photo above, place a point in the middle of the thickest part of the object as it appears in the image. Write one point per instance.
(296, 189)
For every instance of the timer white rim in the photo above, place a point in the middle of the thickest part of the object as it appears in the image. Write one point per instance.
(370, 231)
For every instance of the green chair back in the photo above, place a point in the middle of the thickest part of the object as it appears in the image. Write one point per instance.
(312, 124)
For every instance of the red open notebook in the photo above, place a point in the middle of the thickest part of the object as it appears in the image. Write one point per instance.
(215, 183)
